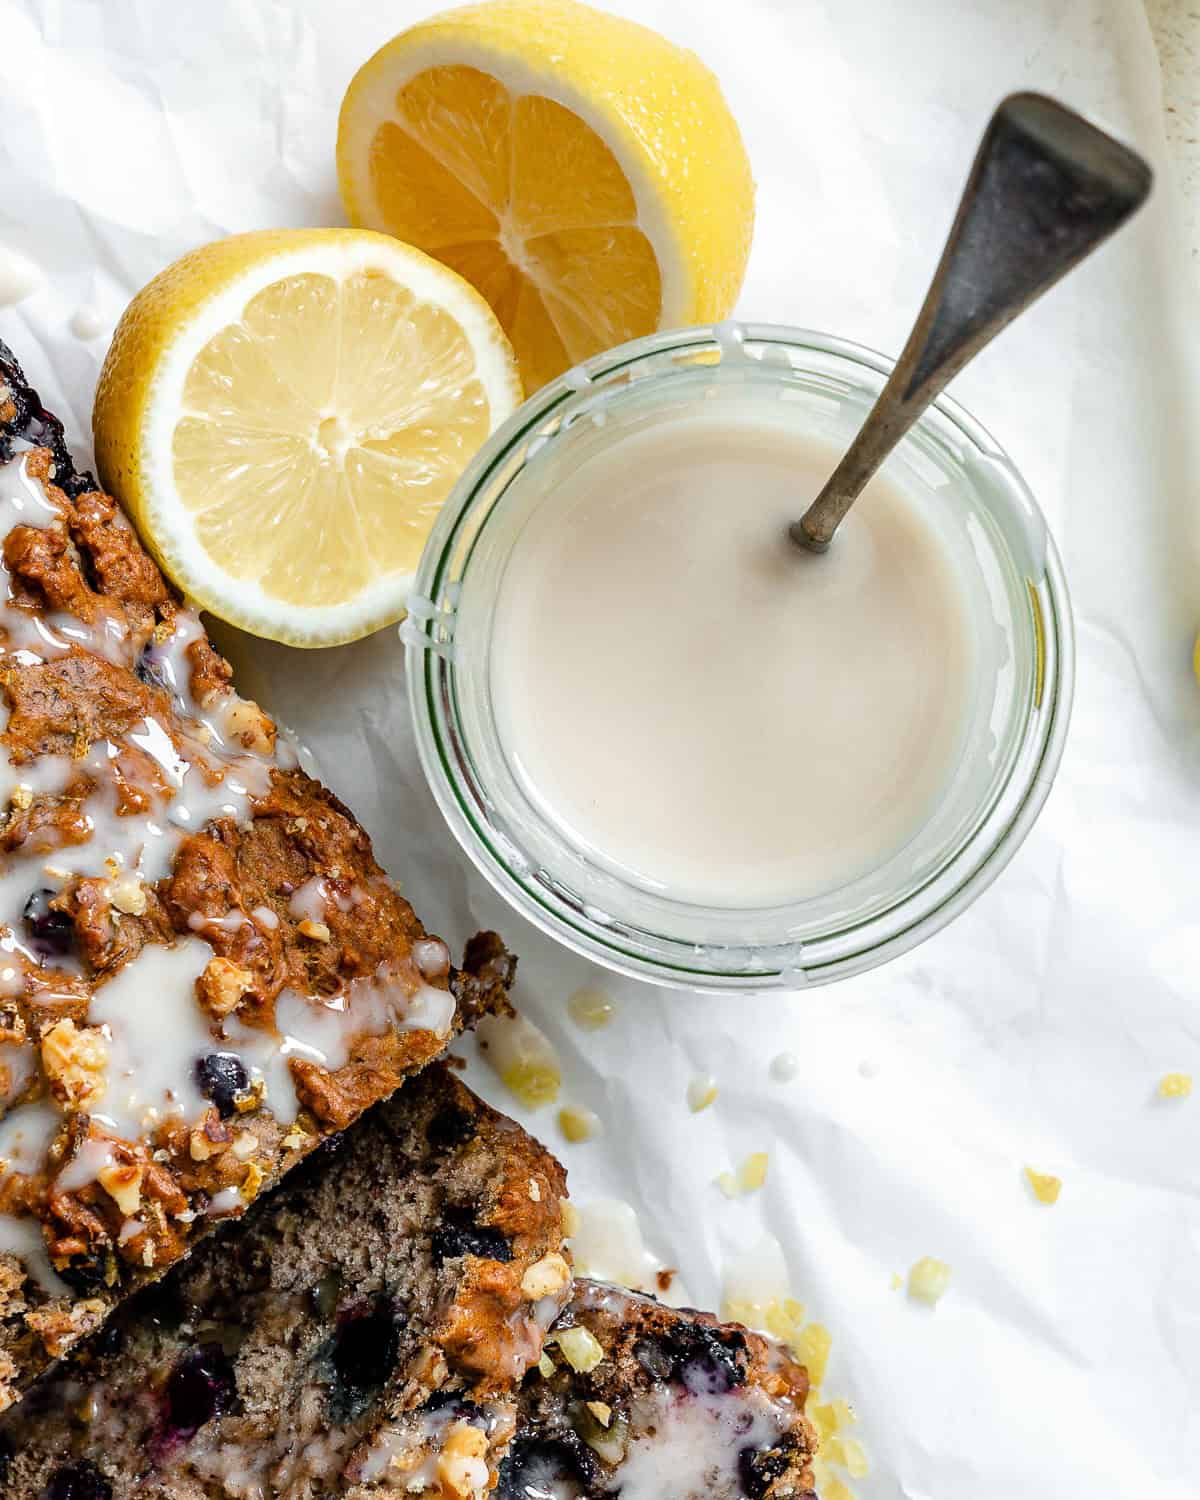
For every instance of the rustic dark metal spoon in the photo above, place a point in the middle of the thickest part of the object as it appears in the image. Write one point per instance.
(1046, 188)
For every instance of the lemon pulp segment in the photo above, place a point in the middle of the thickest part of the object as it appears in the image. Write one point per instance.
(307, 417)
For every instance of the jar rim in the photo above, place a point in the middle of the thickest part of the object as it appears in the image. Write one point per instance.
(853, 946)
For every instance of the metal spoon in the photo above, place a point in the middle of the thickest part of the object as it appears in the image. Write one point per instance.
(1046, 188)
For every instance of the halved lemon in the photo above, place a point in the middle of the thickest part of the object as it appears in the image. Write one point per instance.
(283, 414)
(585, 174)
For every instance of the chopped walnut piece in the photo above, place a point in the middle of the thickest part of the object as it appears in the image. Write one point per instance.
(248, 724)
(318, 931)
(123, 1183)
(75, 1059)
(928, 1279)
(22, 798)
(128, 894)
(209, 1138)
(545, 1277)
(462, 1465)
(252, 1182)
(222, 985)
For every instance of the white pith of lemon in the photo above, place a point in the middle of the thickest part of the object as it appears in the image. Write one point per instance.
(284, 413)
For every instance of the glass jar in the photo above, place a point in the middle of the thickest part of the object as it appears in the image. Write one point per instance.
(1017, 719)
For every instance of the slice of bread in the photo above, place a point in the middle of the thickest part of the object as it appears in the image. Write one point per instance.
(364, 1328)
(656, 1403)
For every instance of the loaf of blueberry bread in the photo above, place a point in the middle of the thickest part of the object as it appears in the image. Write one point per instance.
(655, 1403)
(364, 1330)
(203, 971)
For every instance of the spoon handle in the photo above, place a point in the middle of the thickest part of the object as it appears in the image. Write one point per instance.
(1045, 189)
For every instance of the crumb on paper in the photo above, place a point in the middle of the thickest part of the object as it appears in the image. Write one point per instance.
(591, 1009)
(752, 1173)
(701, 1092)
(664, 1277)
(928, 1279)
(578, 1125)
(831, 1487)
(728, 1184)
(1196, 657)
(897, 1281)
(1046, 1187)
(1175, 1086)
(810, 1344)
(812, 1348)
(523, 1057)
(122, 1181)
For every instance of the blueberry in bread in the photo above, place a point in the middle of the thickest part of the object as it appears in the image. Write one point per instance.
(203, 971)
(657, 1403)
(363, 1330)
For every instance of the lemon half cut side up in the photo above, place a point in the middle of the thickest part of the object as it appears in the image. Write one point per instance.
(283, 415)
(582, 172)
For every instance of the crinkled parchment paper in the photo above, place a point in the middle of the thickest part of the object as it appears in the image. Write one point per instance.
(1064, 1362)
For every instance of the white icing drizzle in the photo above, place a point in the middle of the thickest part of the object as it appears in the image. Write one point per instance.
(227, 1201)
(685, 1439)
(19, 277)
(308, 900)
(432, 957)
(756, 1277)
(784, 1067)
(86, 323)
(608, 1246)
(321, 1030)
(23, 1238)
(230, 922)
(156, 1031)
(16, 1069)
(688, 1443)
(389, 1458)
(85, 1166)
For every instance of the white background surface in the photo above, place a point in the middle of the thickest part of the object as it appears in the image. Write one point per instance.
(1064, 1363)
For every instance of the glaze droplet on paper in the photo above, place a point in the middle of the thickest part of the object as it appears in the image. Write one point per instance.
(19, 276)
